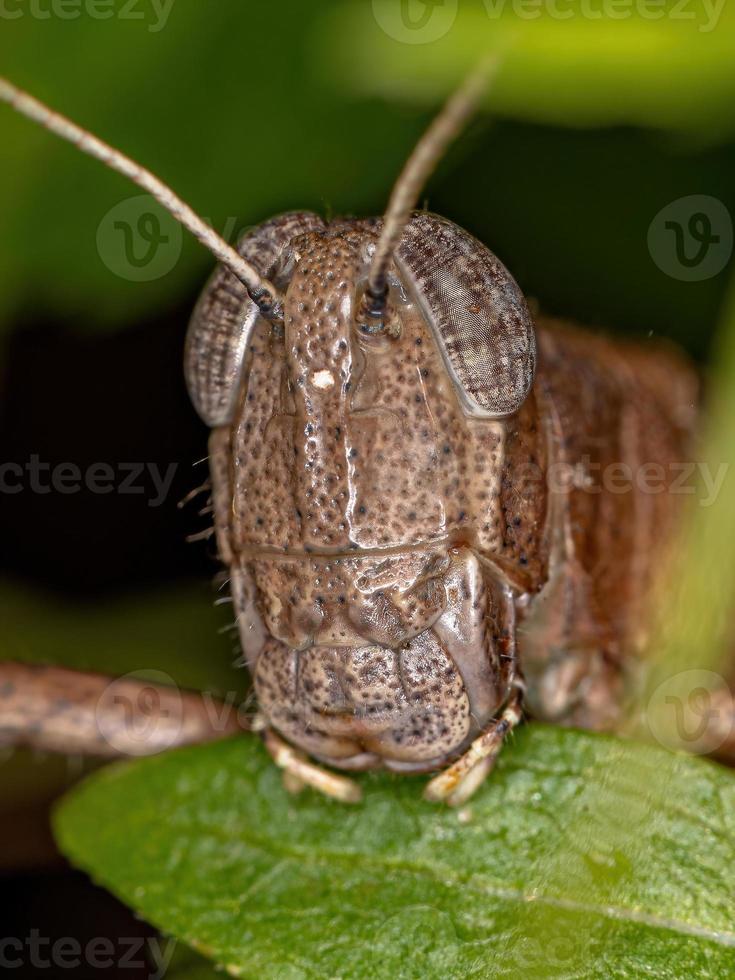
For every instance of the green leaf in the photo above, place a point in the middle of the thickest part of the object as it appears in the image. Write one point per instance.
(588, 65)
(185, 964)
(582, 856)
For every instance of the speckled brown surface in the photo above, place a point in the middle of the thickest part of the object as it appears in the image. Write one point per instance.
(393, 552)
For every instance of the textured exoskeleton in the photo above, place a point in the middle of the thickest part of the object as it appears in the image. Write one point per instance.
(414, 519)
(433, 510)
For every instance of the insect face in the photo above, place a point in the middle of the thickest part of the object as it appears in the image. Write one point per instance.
(355, 486)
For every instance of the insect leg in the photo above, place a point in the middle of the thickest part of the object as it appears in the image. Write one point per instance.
(459, 781)
(297, 771)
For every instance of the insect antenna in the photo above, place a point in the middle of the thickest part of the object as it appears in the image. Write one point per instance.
(260, 290)
(418, 168)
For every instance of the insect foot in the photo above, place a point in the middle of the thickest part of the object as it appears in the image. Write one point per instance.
(456, 784)
(298, 772)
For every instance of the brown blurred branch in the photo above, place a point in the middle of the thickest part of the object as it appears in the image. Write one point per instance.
(59, 710)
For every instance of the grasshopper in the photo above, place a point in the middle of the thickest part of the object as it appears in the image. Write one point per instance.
(409, 486)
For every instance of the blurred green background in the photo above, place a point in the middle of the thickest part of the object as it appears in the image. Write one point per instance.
(247, 109)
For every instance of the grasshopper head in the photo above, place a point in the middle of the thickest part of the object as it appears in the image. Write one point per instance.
(356, 467)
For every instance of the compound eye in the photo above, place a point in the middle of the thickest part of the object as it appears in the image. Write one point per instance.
(222, 323)
(476, 311)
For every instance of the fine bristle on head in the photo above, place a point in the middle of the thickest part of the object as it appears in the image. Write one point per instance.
(418, 168)
(261, 291)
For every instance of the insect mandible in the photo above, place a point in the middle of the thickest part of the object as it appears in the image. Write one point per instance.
(406, 470)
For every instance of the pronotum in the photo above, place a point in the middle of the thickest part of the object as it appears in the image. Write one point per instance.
(390, 426)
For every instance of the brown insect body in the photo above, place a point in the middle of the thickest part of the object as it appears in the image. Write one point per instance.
(610, 413)
(400, 555)
(424, 527)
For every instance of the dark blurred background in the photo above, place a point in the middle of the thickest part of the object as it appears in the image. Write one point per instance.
(249, 109)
